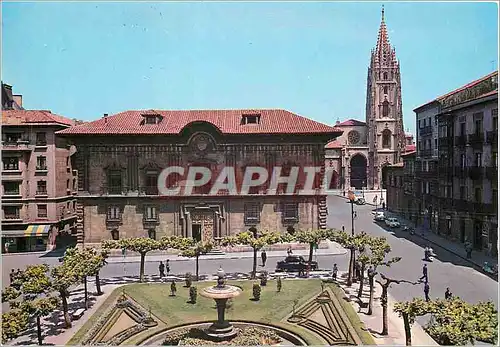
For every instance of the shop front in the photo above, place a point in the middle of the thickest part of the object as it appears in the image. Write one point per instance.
(33, 239)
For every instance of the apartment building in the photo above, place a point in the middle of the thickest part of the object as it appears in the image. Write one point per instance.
(456, 164)
(38, 182)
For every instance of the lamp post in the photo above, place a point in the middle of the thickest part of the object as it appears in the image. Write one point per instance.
(352, 257)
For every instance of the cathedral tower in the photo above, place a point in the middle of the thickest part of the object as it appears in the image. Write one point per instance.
(384, 114)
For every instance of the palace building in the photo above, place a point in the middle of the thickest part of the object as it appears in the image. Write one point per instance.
(119, 159)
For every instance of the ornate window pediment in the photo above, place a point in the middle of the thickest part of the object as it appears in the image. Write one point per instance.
(114, 166)
(152, 168)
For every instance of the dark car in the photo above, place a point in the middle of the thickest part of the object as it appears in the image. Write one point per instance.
(294, 263)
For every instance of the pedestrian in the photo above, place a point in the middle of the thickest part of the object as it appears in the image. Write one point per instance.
(424, 273)
(383, 205)
(357, 268)
(447, 294)
(263, 255)
(161, 267)
(343, 228)
(6, 247)
(167, 266)
(426, 291)
(12, 276)
(289, 251)
(334, 272)
(468, 249)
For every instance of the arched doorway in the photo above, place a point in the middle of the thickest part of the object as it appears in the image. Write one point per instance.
(358, 171)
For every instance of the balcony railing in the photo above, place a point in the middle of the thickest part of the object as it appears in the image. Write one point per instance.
(427, 130)
(150, 218)
(475, 140)
(475, 172)
(492, 137)
(41, 167)
(11, 192)
(12, 215)
(149, 190)
(460, 141)
(114, 218)
(112, 190)
(491, 173)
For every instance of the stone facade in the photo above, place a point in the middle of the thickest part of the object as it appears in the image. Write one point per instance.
(118, 195)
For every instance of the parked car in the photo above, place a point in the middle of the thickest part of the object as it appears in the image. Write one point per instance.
(294, 263)
(392, 222)
(360, 201)
(379, 216)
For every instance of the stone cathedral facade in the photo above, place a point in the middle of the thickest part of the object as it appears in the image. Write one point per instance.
(364, 148)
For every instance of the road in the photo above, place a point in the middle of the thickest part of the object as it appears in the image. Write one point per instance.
(447, 270)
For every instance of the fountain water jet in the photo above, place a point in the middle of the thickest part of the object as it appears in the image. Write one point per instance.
(221, 330)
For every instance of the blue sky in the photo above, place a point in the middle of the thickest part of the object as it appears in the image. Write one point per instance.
(81, 60)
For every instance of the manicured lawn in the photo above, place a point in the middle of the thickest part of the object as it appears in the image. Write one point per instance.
(271, 308)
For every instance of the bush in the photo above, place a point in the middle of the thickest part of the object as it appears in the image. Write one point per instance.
(278, 284)
(256, 291)
(263, 278)
(193, 294)
(189, 279)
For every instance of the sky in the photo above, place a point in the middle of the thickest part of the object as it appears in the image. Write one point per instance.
(84, 59)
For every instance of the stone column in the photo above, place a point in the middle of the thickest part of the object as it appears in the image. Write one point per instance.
(189, 225)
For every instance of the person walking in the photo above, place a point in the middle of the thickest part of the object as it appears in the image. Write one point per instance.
(167, 266)
(289, 251)
(334, 272)
(426, 291)
(447, 294)
(263, 255)
(424, 274)
(12, 276)
(161, 267)
(343, 228)
(468, 249)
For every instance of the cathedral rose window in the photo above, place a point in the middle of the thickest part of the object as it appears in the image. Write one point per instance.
(353, 137)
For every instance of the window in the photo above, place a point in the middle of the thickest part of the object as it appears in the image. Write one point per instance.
(115, 234)
(495, 124)
(67, 162)
(463, 161)
(462, 129)
(425, 122)
(41, 139)
(463, 193)
(478, 126)
(12, 138)
(385, 76)
(419, 123)
(152, 234)
(114, 213)
(419, 145)
(250, 119)
(42, 211)
(151, 183)
(41, 188)
(435, 120)
(252, 214)
(67, 183)
(477, 195)
(494, 197)
(11, 212)
(494, 159)
(74, 205)
(385, 108)
(386, 138)
(114, 181)
(386, 89)
(478, 161)
(75, 184)
(41, 163)
(435, 143)
(11, 188)
(11, 163)
(290, 212)
(150, 213)
(150, 119)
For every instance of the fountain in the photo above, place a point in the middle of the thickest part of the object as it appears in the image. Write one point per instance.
(221, 330)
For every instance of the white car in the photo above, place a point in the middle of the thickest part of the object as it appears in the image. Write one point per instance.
(379, 216)
(392, 222)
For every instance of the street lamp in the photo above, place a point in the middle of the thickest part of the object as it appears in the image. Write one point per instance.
(352, 258)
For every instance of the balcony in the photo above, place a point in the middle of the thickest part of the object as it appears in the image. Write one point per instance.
(445, 142)
(41, 168)
(12, 216)
(41, 192)
(460, 172)
(150, 219)
(475, 172)
(149, 190)
(476, 140)
(112, 190)
(426, 153)
(492, 137)
(491, 173)
(16, 145)
(430, 173)
(460, 141)
(425, 131)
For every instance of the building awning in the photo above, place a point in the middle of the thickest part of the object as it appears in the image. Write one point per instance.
(37, 230)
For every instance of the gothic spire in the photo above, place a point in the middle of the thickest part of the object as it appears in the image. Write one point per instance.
(384, 52)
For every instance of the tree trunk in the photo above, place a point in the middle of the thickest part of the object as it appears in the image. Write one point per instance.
(351, 268)
(254, 268)
(370, 301)
(39, 330)
(354, 274)
(361, 279)
(383, 299)
(197, 267)
(406, 322)
(98, 284)
(141, 273)
(311, 250)
(86, 298)
(67, 319)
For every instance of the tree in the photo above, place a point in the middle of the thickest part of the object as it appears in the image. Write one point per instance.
(63, 277)
(141, 245)
(257, 242)
(384, 297)
(311, 237)
(14, 323)
(32, 299)
(351, 242)
(195, 251)
(409, 311)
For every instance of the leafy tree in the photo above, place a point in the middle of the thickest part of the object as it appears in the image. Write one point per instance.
(63, 277)
(409, 311)
(141, 245)
(257, 242)
(32, 299)
(351, 242)
(14, 323)
(311, 237)
(196, 251)
(384, 297)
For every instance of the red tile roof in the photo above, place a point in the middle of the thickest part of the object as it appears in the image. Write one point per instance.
(21, 117)
(333, 144)
(468, 85)
(273, 121)
(410, 148)
(350, 122)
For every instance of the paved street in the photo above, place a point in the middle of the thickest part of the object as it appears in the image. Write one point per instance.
(448, 270)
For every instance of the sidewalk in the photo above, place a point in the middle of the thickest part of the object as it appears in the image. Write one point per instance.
(477, 260)
(333, 249)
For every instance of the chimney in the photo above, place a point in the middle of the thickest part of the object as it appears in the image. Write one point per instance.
(18, 99)
(105, 115)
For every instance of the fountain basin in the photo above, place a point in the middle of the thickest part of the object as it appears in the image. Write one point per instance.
(225, 292)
